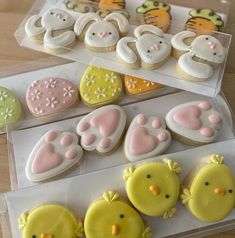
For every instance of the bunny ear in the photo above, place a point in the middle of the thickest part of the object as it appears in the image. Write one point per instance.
(31, 28)
(83, 21)
(121, 20)
(148, 28)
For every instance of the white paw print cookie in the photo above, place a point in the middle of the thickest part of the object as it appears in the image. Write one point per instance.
(102, 129)
(194, 122)
(55, 153)
(146, 137)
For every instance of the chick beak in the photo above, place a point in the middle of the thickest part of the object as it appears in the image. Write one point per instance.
(46, 236)
(115, 230)
(155, 189)
(220, 191)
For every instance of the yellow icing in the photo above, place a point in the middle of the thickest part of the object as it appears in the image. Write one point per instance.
(134, 85)
(112, 217)
(153, 189)
(50, 221)
(100, 86)
(211, 196)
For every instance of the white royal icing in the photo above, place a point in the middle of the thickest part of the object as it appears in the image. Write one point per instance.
(30, 27)
(148, 28)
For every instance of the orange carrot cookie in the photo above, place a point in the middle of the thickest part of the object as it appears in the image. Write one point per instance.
(204, 22)
(135, 86)
(155, 13)
(112, 4)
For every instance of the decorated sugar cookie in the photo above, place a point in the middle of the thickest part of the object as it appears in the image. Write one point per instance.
(148, 49)
(102, 129)
(209, 190)
(153, 188)
(110, 216)
(112, 4)
(79, 6)
(204, 22)
(136, 86)
(198, 59)
(50, 95)
(53, 29)
(104, 13)
(194, 123)
(10, 108)
(55, 153)
(50, 221)
(100, 34)
(146, 137)
(155, 13)
(99, 86)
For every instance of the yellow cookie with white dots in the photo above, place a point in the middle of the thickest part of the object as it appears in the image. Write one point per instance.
(153, 188)
(209, 190)
(99, 86)
(110, 217)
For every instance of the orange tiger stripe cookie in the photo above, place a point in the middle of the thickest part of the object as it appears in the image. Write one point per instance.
(112, 4)
(136, 86)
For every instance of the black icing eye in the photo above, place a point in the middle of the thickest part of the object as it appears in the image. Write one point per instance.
(121, 216)
(160, 42)
(230, 191)
(64, 19)
(34, 236)
(206, 183)
(214, 54)
(206, 38)
(52, 13)
(167, 196)
(148, 176)
(148, 51)
(110, 33)
(93, 33)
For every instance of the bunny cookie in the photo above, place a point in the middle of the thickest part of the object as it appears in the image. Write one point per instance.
(99, 34)
(53, 29)
(148, 50)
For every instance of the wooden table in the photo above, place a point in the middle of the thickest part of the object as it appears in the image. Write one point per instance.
(14, 59)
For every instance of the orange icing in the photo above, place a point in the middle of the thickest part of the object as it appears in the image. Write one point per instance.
(112, 4)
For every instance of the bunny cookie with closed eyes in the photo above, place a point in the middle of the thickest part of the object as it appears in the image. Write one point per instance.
(149, 49)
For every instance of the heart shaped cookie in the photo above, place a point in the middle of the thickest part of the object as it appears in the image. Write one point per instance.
(56, 152)
(50, 95)
(102, 129)
(194, 123)
(10, 108)
(146, 137)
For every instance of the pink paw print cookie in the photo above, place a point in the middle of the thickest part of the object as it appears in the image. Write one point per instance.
(55, 153)
(194, 123)
(102, 129)
(146, 137)
(51, 95)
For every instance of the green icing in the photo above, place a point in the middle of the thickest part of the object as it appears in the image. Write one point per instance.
(152, 5)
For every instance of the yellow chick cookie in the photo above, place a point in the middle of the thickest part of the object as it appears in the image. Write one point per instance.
(209, 190)
(50, 221)
(153, 188)
(111, 217)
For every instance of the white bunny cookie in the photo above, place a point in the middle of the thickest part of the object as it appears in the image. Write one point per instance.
(99, 34)
(198, 60)
(53, 29)
(148, 50)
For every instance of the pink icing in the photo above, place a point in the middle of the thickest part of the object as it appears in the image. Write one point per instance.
(83, 126)
(215, 119)
(162, 136)
(141, 142)
(51, 136)
(142, 119)
(50, 95)
(156, 123)
(188, 117)
(46, 159)
(107, 121)
(207, 132)
(205, 105)
(105, 143)
(66, 140)
(71, 154)
(88, 139)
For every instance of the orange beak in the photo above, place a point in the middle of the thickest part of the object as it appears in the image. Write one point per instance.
(46, 236)
(115, 230)
(220, 191)
(155, 189)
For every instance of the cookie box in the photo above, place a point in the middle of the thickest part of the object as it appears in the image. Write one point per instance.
(78, 192)
(19, 150)
(104, 55)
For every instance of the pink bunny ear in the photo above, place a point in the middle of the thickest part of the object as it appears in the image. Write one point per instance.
(148, 28)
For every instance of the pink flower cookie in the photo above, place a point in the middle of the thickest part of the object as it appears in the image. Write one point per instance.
(195, 122)
(50, 95)
(102, 129)
(56, 152)
(146, 137)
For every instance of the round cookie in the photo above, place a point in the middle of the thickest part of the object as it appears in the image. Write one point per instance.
(99, 86)
(204, 22)
(209, 190)
(51, 95)
(112, 4)
(155, 13)
(10, 108)
(194, 123)
(50, 221)
(137, 86)
(153, 188)
(110, 216)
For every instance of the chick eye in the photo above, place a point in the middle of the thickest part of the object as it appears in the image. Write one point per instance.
(230, 191)
(121, 216)
(206, 183)
(167, 196)
(148, 51)
(148, 176)
(93, 33)
(34, 236)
